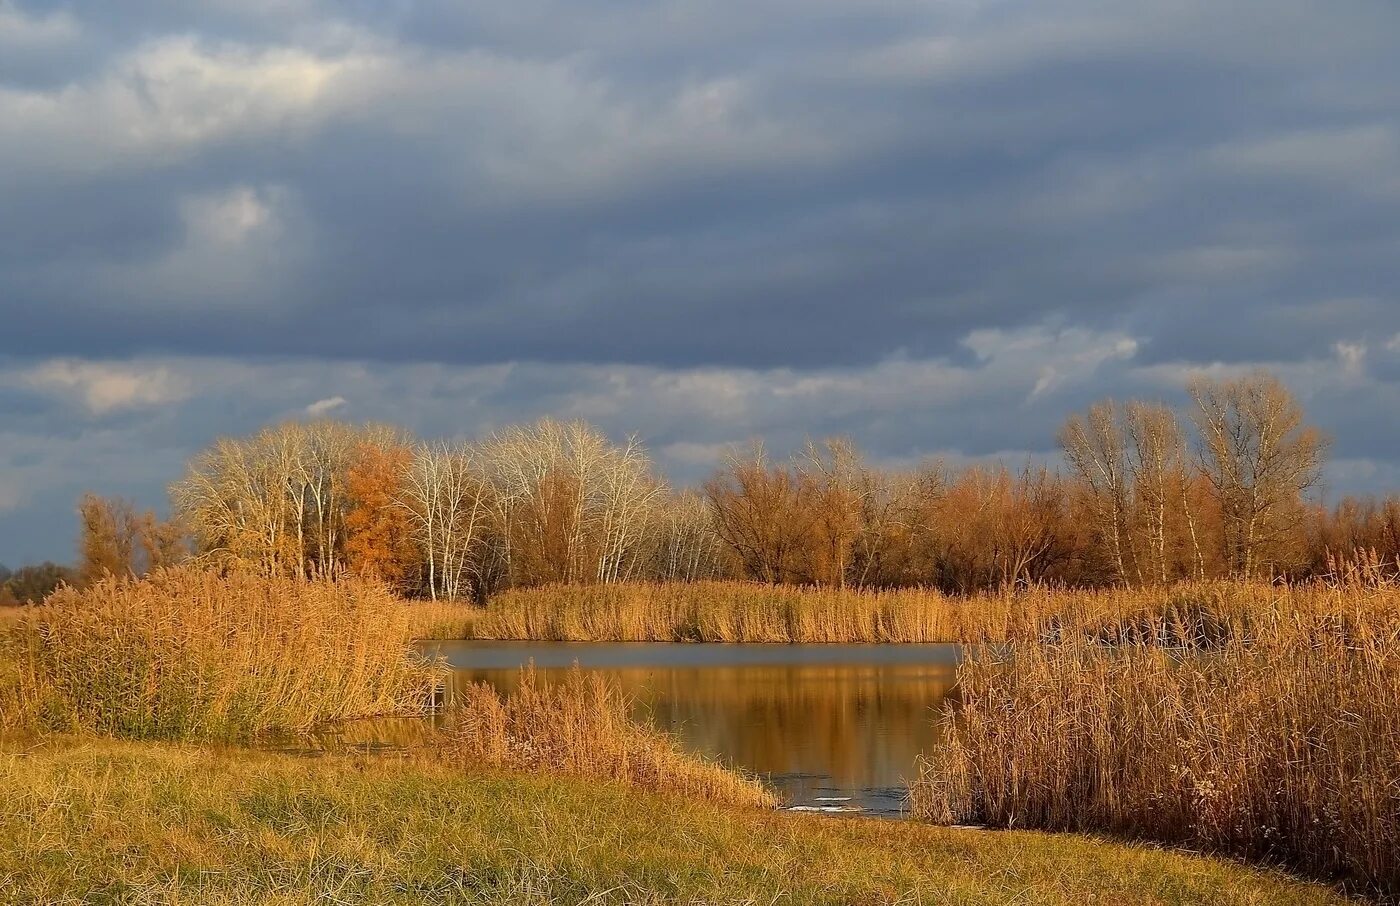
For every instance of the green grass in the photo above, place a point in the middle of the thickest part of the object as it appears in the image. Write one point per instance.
(142, 823)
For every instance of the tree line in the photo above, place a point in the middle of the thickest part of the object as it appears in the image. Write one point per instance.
(1146, 495)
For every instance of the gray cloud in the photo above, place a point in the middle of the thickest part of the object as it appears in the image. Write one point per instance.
(700, 221)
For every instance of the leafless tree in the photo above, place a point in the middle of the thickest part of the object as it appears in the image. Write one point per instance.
(1260, 459)
(1095, 448)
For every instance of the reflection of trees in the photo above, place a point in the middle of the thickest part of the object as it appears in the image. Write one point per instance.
(862, 725)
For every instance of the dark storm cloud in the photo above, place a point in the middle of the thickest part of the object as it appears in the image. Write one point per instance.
(697, 220)
(549, 184)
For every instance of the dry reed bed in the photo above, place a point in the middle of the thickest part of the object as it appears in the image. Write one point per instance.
(715, 612)
(1195, 615)
(442, 620)
(1278, 741)
(190, 653)
(582, 727)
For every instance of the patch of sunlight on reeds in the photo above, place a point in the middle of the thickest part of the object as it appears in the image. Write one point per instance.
(442, 620)
(1270, 730)
(715, 612)
(582, 727)
(191, 653)
(1190, 614)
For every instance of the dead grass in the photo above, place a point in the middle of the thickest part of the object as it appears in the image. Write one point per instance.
(1262, 724)
(89, 822)
(190, 653)
(582, 727)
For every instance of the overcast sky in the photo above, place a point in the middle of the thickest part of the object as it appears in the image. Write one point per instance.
(937, 227)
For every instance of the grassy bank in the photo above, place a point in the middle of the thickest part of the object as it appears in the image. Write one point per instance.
(1199, 614)
(85, 822)
(1279, 742)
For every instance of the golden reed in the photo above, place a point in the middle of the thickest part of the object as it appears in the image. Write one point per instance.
(752, 612)
(191, 653)
(1262, 722)
(582, 727)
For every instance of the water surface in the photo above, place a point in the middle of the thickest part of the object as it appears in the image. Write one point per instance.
(832, 727)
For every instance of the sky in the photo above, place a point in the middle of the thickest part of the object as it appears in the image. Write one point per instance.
(937, 227)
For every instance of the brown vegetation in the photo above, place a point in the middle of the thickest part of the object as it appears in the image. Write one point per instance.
(119, 540)
(582, 727)
(190, 653)
(1142, 502)
(719, 612)
(1275, 736)
(1185, 614)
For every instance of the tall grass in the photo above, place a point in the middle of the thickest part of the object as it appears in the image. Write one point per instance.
(442, 620)
(1274, 735)
(190, 653)
(10, 616)
(583, 727)
(1191, 614)
(715, 612)
(14, 710)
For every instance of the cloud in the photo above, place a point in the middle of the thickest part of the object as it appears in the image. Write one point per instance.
(1352, 357)
(19, 31)
(167, 99)
(935, 227)
(325, 407)
(1364, 156)
(106, 388)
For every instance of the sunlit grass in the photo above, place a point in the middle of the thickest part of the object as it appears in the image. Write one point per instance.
(113, 822)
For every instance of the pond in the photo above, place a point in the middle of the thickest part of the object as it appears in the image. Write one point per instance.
(832, 727)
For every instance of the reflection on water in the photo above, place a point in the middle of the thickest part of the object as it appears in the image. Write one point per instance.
(831, 726)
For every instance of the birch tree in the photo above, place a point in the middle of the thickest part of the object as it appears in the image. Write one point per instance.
(1260, 458)
(1095, 448)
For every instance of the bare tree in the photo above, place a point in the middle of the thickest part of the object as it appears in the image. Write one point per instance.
(110, 537)
(448, 498)
(687, 546)
(1157, 460)
(1260, 458)
(570, 505)
(760, 512)
(836, 481)
(1095, 448)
